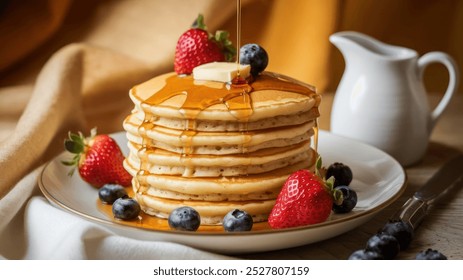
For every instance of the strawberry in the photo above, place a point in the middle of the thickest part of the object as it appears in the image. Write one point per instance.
(305, 199)
(98, 159)
(197, 46)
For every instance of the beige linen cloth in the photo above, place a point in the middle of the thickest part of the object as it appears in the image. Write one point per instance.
(47, 232)
(80, 86)
(68, 65)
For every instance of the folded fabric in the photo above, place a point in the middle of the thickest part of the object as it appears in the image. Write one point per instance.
(51, 233)
(76, 76)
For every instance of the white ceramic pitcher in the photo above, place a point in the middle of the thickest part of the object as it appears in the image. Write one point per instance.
(381, 99)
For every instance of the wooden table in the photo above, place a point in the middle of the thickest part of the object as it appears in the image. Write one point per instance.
(442, 229)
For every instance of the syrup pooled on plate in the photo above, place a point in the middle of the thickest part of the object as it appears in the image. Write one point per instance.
(146, 221)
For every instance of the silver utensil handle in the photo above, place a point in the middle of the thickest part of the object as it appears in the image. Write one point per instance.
(413, 212)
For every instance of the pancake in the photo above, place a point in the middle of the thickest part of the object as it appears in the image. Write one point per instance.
(159, 161)
(221, 186)
(193, 142)
(226, 126)
(210, 213)
(218, 147)
(176, 97)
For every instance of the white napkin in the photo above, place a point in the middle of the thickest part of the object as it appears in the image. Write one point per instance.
(31, 228)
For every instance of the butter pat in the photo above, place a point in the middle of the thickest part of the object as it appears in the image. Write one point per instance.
(220, 71)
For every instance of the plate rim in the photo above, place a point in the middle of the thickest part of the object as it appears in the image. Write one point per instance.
(381, 206)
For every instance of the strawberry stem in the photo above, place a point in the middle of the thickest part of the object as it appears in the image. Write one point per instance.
(221, 37)
(199, 23)
(329, 183)
(318, 166)
(337, 197)
(73, 144)
(76, 144)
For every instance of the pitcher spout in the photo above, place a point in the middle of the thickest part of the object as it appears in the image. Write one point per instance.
(351, 42)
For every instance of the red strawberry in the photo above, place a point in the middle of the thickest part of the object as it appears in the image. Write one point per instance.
(305, 199)
(197, 46)
(98, 159)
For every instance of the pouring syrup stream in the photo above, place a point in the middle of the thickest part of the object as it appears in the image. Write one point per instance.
(238, 35)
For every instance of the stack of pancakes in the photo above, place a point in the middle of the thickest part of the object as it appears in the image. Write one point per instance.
(218, 147)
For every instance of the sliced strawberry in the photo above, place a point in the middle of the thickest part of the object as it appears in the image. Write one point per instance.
(197, 46)
(98, 159)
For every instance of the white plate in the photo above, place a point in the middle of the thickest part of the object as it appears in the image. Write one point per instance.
(378, 180)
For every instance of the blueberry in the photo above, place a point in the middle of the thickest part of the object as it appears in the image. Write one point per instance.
(401, 230)
(254, 55)
(126, 208)
(349, 200)
(383, 244)
(110, 192)
(342, 174)
(237, 220)
(184, 218)
(430, 254)
(365, 255)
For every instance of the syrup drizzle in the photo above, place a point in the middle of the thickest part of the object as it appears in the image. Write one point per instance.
(198, 97)
(235, 97)
(238, 37)
(315, 136)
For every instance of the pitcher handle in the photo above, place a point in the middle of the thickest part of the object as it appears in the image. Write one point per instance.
(452, 68)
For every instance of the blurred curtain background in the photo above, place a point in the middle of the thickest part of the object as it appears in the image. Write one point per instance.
(294, 32)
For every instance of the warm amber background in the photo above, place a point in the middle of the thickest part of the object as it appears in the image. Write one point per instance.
(49, 86)
(295, 32)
